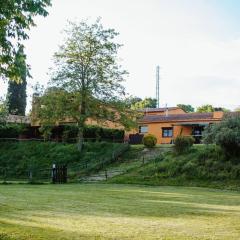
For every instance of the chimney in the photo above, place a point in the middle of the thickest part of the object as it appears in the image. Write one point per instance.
(166, 111)
(218, 115)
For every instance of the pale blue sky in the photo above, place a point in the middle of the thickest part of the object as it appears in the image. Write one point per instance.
(195, 42)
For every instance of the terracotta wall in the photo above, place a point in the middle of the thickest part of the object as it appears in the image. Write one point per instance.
(156, 129)
(218, 115)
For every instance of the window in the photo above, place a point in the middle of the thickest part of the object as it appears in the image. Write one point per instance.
(143, 129)
(197, 131)
(167, 132)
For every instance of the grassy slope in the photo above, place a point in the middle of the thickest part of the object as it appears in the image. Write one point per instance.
(107, 211)
(21, 156)
(202, 166)
(133, 158)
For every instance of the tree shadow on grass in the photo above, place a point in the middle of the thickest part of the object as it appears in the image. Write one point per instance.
(21, 231)
(125, 201)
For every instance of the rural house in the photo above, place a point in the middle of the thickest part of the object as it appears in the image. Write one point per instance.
(167, 123)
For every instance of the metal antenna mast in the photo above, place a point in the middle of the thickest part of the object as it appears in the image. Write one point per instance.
(157, 85)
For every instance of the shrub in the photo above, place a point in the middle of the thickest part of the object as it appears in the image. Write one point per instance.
(11, 130)
(226, 134)
(94, 132)
(183, 144)
(65, 135)
(69, 133)
(46, 131)
(149, 140)
(190, 169)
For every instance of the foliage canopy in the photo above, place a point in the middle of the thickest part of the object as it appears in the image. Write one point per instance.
(16, 17)
(226, 134)
(145, 103)
(210, 108)
(87, 79)
(187, 108)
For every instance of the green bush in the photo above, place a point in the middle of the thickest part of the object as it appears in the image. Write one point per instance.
(226, 134)
(68, 133)
(149, 140)
(11, 130)
(190, 169)
(183, 144)
(103, 133)
(46, 131)
(93, 132)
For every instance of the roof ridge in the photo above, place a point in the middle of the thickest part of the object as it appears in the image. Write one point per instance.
(192, 113)
(178, 117)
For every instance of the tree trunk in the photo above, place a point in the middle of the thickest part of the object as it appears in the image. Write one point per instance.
(81, 123)
(80, 139)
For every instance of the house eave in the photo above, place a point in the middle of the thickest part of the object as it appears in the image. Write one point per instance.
(181, 122)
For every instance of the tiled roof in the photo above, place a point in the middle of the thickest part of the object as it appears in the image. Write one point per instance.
(232, 114)
(18, 119)
(158, 109)
(177, 117)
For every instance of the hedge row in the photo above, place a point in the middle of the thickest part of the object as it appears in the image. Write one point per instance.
(95, 132)
(66, 132)
(11, 130)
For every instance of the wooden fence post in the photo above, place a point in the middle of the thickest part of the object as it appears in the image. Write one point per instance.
(54, 173)
(30, 176)
(106, 174)
(59, 174)
(5, 176)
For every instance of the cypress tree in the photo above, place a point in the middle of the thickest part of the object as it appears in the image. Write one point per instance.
(17, 97)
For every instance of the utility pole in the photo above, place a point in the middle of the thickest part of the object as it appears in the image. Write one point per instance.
(157, 85)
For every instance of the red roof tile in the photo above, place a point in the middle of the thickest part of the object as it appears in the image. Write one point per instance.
(158, 109)
(177, 117)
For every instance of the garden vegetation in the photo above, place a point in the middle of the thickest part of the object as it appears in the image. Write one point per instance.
(149, 141)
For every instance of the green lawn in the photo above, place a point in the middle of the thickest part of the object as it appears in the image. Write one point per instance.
(105, 211)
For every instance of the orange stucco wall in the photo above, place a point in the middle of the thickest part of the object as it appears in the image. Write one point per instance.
(156, 129)
(218, 115)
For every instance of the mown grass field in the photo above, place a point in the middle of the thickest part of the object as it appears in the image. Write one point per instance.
(108, 211)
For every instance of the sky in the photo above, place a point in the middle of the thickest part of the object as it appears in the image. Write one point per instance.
(196, 43)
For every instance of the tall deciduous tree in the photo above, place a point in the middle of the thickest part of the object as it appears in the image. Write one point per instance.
(205, 108)
(17, 90)
(131, 101)
(145, 103)
(16, 17)
(86, 80)
(186, 107)
(210, 108)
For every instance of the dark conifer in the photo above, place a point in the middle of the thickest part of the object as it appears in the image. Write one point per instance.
(17, 90)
